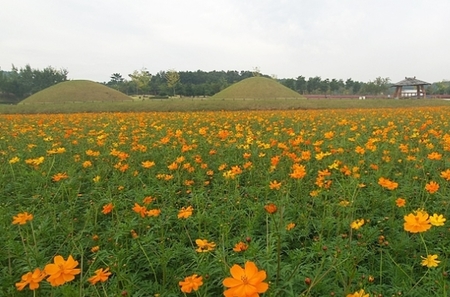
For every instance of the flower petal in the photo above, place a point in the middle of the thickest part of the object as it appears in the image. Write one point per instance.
(237, 272)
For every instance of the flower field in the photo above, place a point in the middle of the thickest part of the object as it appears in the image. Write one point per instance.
(255, 203)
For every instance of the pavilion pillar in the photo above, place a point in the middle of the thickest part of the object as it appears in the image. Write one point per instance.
(424, 92)
(398, 92)
(418, 91)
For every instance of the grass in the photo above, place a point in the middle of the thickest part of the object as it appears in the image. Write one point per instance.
(76, 91)
(333, 176)
(206, 104)
(257, 88)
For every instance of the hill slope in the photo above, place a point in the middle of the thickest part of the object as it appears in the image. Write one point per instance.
(76, 91)
(256, 88)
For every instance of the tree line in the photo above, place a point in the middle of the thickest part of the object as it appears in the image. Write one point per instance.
(20, 83)
(200, 83)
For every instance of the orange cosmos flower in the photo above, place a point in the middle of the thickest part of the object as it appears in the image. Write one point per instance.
(432, 187)
(240, 247)
(148, 200)
(22, 218)
(446, 174)
(274, 185)
(204, 245)
(141, 210)
(107, 208)
(87, 164)
(61, 271)
(95, 249)
(32, 279)
(274, 161)
(298, 171)
(400, 202)
(191, 283)
(360, 150)
(59, 176)
(185, 212)
(100, 276)
(271, 208)
(417, 222)
(148, 164)
(245, 282)
(173, 166)
(154, 212)
(387, 184)
(290, 226)
(434, 156)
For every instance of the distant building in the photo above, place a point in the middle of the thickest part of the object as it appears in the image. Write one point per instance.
(417, 90)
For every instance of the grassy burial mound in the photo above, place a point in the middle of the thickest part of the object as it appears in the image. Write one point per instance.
(257, 88)
(77, 91)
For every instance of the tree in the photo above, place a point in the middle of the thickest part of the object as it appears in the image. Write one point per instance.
(301, 84)
(141, 80)
(172, 78)
(116, 80)
(313, 84)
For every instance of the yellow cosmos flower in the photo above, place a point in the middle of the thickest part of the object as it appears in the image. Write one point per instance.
(357, 224)
(360, 293)
(437, 220)
(430, 261)
(204, 245)
(14, 160)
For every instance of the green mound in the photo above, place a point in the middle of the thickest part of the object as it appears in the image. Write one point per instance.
(257, 88)
(76, 91)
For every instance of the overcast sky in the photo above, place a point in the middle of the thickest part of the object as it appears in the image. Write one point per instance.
(358, 39)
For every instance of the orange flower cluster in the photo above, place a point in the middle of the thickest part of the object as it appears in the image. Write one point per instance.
(387, 184)
(143, 212)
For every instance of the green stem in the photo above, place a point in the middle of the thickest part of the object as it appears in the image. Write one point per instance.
(148, 260)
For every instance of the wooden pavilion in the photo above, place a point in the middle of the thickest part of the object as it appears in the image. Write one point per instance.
(413, 82)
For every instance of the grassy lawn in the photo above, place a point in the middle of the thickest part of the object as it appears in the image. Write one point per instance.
(208, 104)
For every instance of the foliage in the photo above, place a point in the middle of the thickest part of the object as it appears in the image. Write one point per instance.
(172, 78)
(321, 202)
(26, 81)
